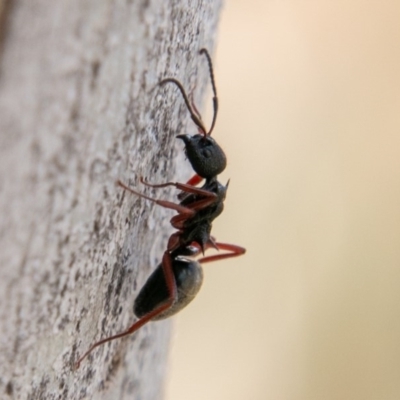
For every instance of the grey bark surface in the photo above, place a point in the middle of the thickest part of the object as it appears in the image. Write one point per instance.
(79, 109)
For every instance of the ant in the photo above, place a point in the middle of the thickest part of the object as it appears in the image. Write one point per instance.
(178, 278)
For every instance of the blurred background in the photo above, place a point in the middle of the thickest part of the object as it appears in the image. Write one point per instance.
(309, 118)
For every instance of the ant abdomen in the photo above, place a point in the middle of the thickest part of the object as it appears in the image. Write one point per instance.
(188, 277)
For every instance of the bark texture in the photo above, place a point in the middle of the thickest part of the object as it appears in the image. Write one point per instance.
(79, 109)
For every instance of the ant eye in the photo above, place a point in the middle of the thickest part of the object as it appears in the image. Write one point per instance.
(206, 153)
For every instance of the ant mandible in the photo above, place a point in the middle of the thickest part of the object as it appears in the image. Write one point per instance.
(178, 278)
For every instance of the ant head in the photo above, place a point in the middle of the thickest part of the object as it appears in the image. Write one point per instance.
(204, 154)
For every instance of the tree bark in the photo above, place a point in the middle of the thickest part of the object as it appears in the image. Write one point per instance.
(79, 109)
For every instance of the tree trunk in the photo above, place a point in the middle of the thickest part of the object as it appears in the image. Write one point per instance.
(79, 109)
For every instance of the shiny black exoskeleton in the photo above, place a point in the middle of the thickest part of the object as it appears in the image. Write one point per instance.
(188, 275)
(178, 278)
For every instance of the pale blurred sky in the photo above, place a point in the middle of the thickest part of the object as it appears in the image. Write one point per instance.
(309, 119)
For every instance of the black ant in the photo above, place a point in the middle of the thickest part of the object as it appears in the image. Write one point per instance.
(177, 279)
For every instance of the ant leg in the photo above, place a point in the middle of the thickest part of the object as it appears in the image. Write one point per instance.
(233, 250)
(177, 220)
(172, 293)
(173, 241)
(200, 204)
(164, 203)
(194, 180)
(184, 187)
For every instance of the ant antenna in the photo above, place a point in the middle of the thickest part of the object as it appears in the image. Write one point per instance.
(195, 118)
(215, 98)
(194, 114)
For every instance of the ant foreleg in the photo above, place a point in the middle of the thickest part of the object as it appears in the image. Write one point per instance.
(184, 187)
(164, 203)
(194, 180)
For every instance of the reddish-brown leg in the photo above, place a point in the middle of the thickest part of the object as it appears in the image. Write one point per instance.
(174, 241)
(188, 212)
(183, 212)
(171, 285)
(184, 187)
(177, 220)
(233, 251)
(194, 180)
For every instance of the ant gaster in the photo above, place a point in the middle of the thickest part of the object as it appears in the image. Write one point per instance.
(177, 280)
